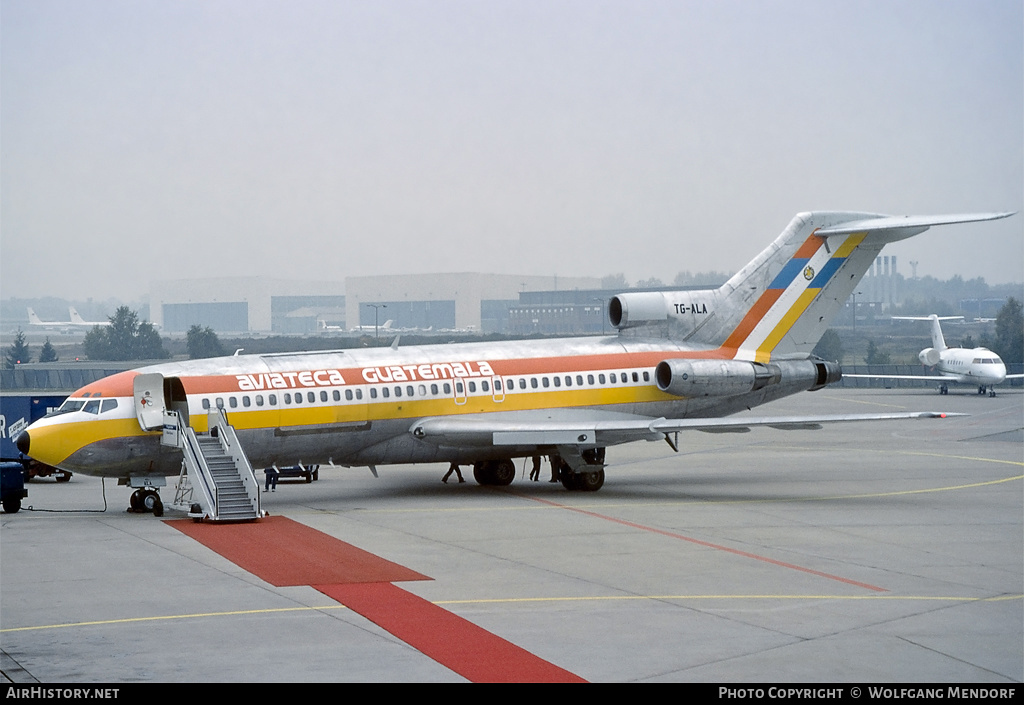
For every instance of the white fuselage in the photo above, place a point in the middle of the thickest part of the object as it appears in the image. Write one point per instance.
(978, 366)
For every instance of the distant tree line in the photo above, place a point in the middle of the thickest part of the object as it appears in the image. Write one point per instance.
(18, 353)
(126, 338)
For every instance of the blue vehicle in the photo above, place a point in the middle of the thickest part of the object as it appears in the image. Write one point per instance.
(12, 485)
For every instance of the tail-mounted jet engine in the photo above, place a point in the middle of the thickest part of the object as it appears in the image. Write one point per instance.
(725, 378)
(929, 357)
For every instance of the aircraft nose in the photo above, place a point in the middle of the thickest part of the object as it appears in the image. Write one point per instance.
(22, 442)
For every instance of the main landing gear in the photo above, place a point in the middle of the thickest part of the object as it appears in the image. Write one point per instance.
(494, 472)
(587, 477)
(991, 390)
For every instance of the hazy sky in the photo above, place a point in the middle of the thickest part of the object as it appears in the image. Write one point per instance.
(306, 139)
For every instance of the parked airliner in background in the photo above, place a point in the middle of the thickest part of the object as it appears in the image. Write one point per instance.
(76, 321)
(976, 366)
(682, 360)
(34, 320)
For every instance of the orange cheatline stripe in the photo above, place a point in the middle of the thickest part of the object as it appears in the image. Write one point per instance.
(810, 246)
(753, 317)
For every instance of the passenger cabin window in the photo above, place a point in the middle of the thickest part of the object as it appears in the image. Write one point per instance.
(206, 403)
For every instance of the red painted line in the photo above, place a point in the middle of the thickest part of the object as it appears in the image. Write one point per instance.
(707, 544)
(452, 641)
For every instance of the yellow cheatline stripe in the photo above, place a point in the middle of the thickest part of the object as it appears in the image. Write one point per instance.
(526, 600)
(788, 319)
(850, 245)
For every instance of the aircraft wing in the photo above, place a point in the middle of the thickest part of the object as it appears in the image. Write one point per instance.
(594, 429)
(935, 378)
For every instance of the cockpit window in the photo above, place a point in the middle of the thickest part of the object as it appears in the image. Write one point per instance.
(68, 406)
(71, 405)
(108, 405)
(92, 406)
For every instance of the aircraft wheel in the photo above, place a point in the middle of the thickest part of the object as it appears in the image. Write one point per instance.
(566, 476)
(11, 506)
(150, 502)
(65, 477)
(482, 473)
(135, 502)
(503, 472)
(590, 481)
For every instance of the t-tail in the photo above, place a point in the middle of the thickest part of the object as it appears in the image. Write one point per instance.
(938, 341)
(781, 303)
(75, 318)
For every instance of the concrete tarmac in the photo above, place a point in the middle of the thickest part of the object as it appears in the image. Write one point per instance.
(867, 552)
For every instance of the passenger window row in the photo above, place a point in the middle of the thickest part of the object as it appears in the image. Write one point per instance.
(399, 391)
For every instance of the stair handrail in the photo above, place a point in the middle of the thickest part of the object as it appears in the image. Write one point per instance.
(207, 489)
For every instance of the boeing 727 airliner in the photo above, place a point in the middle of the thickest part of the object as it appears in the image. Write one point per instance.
(681, 360)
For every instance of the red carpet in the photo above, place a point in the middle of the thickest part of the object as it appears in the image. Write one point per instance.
(284, 553)
(452, 641)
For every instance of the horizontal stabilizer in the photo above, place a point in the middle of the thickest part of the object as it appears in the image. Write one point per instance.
(906, 225)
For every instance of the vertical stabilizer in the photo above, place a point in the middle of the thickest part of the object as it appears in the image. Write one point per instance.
(782, 302)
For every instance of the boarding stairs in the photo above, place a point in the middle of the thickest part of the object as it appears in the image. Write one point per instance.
(217, 483)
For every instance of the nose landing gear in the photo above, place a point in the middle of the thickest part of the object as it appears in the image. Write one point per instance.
(146, 500)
